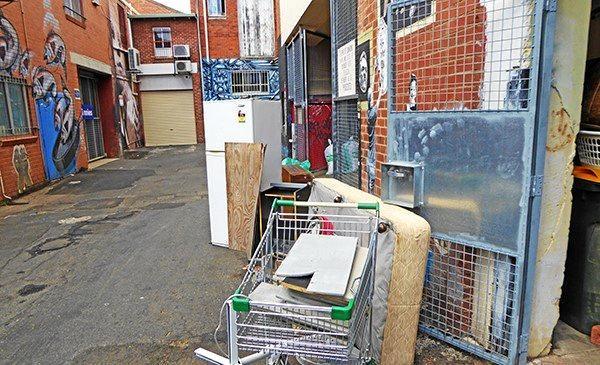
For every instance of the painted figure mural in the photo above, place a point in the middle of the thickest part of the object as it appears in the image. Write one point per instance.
(59, 127)
(20, 160)
(129, 115)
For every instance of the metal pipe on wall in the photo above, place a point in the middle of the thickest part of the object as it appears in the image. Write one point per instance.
(205, 29)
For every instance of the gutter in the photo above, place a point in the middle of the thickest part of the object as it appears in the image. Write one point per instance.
(161, 16)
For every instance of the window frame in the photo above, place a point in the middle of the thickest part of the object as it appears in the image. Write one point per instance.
(12, 131)
(217, 16)
(72, 13)
(247, 88)
(157, 54)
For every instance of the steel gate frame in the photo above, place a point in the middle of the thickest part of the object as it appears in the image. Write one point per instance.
(357, 183)
(534, 153)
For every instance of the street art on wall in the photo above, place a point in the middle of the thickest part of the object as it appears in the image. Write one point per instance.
(129, 115)
(216, 77)
(59, 127)
(20, 160)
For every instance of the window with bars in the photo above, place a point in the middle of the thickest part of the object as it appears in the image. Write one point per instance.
(216, 7)
(14, 114)
(162, 42)
(74, 9)
(249, 82)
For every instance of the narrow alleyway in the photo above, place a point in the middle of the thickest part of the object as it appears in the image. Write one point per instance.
(113, 265)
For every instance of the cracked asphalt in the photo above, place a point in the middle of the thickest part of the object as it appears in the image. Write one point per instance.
(114, 265)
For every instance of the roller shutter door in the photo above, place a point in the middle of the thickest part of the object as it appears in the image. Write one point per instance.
(169, 117)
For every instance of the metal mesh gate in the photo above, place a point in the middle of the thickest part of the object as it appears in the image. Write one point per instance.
(463, 96)
(295, 56)
(346, 122)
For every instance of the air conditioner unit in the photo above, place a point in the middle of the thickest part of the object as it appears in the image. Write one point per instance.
(183, 67)
(96, 2)
(181, 51)
(133, 56)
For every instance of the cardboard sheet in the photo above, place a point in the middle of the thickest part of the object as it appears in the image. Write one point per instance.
(328, 259)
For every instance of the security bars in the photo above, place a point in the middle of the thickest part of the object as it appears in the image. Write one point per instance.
(465, 79)
(346, 122)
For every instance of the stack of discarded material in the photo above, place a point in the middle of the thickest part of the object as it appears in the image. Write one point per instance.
(308, 288)
(320, 269)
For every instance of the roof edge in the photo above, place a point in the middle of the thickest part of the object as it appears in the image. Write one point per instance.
(161, 16)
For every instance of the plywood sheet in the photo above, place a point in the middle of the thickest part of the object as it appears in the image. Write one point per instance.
(328, 259)
(243, 166)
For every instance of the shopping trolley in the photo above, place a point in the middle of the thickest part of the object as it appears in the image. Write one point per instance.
(271, 329)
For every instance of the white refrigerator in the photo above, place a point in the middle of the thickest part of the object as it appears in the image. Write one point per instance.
(240, 120)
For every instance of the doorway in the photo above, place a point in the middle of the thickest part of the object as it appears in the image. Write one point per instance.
(93, 125)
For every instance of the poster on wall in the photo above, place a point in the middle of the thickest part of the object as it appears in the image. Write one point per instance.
(346, 69)
(362, 69)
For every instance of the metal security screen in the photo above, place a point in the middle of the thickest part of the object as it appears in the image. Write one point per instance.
(462, 55)
(463, 104)
(346, 123)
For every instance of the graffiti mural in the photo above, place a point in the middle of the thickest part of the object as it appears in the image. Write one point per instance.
(20, 160)
(9, 47)
(59, 127)
(216, 77)
(129, 115)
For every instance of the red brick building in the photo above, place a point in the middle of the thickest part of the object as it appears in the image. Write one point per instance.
(49, 71)
(181, 55)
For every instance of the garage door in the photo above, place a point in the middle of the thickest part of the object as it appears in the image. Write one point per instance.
(169, 117)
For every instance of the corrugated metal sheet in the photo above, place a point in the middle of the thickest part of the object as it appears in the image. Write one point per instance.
(169, 118)
(256, 28)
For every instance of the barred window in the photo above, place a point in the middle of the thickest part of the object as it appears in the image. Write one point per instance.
(249, 82)
(14, 113)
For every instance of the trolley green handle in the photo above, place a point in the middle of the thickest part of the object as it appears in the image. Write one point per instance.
(292, 203)
(242, 304)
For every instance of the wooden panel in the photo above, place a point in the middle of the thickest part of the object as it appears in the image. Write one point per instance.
(169, 118)
(243, 166)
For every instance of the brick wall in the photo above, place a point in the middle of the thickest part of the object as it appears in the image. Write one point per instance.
(183, 31)
(32, 23)
(449, 69)
(223, 39)
(368, 15)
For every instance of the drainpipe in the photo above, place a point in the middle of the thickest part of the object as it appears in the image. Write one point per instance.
(205, 15)
(198, 32)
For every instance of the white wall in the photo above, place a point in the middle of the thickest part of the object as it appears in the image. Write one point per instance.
(290, 12)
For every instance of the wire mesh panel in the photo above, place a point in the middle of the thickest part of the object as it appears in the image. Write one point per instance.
(469, 294)
(346, 142)
(299, 70)
(462, 55)
(346, 122)
(462, 103)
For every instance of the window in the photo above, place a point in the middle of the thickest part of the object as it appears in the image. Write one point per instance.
(216, 7)
(74, 9)
(162, 42)
(249, 82)
(14, 116)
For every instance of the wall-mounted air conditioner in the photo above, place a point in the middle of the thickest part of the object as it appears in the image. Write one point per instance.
(133, 56)
(183, 66)
(96, 2)
(181, 51)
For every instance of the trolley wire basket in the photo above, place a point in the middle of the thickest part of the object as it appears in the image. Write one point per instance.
(301, 326)
(588, 148)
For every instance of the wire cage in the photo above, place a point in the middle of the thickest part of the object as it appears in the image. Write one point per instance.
(304, 327)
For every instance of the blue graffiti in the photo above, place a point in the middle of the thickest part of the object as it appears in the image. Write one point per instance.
(216, 77)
